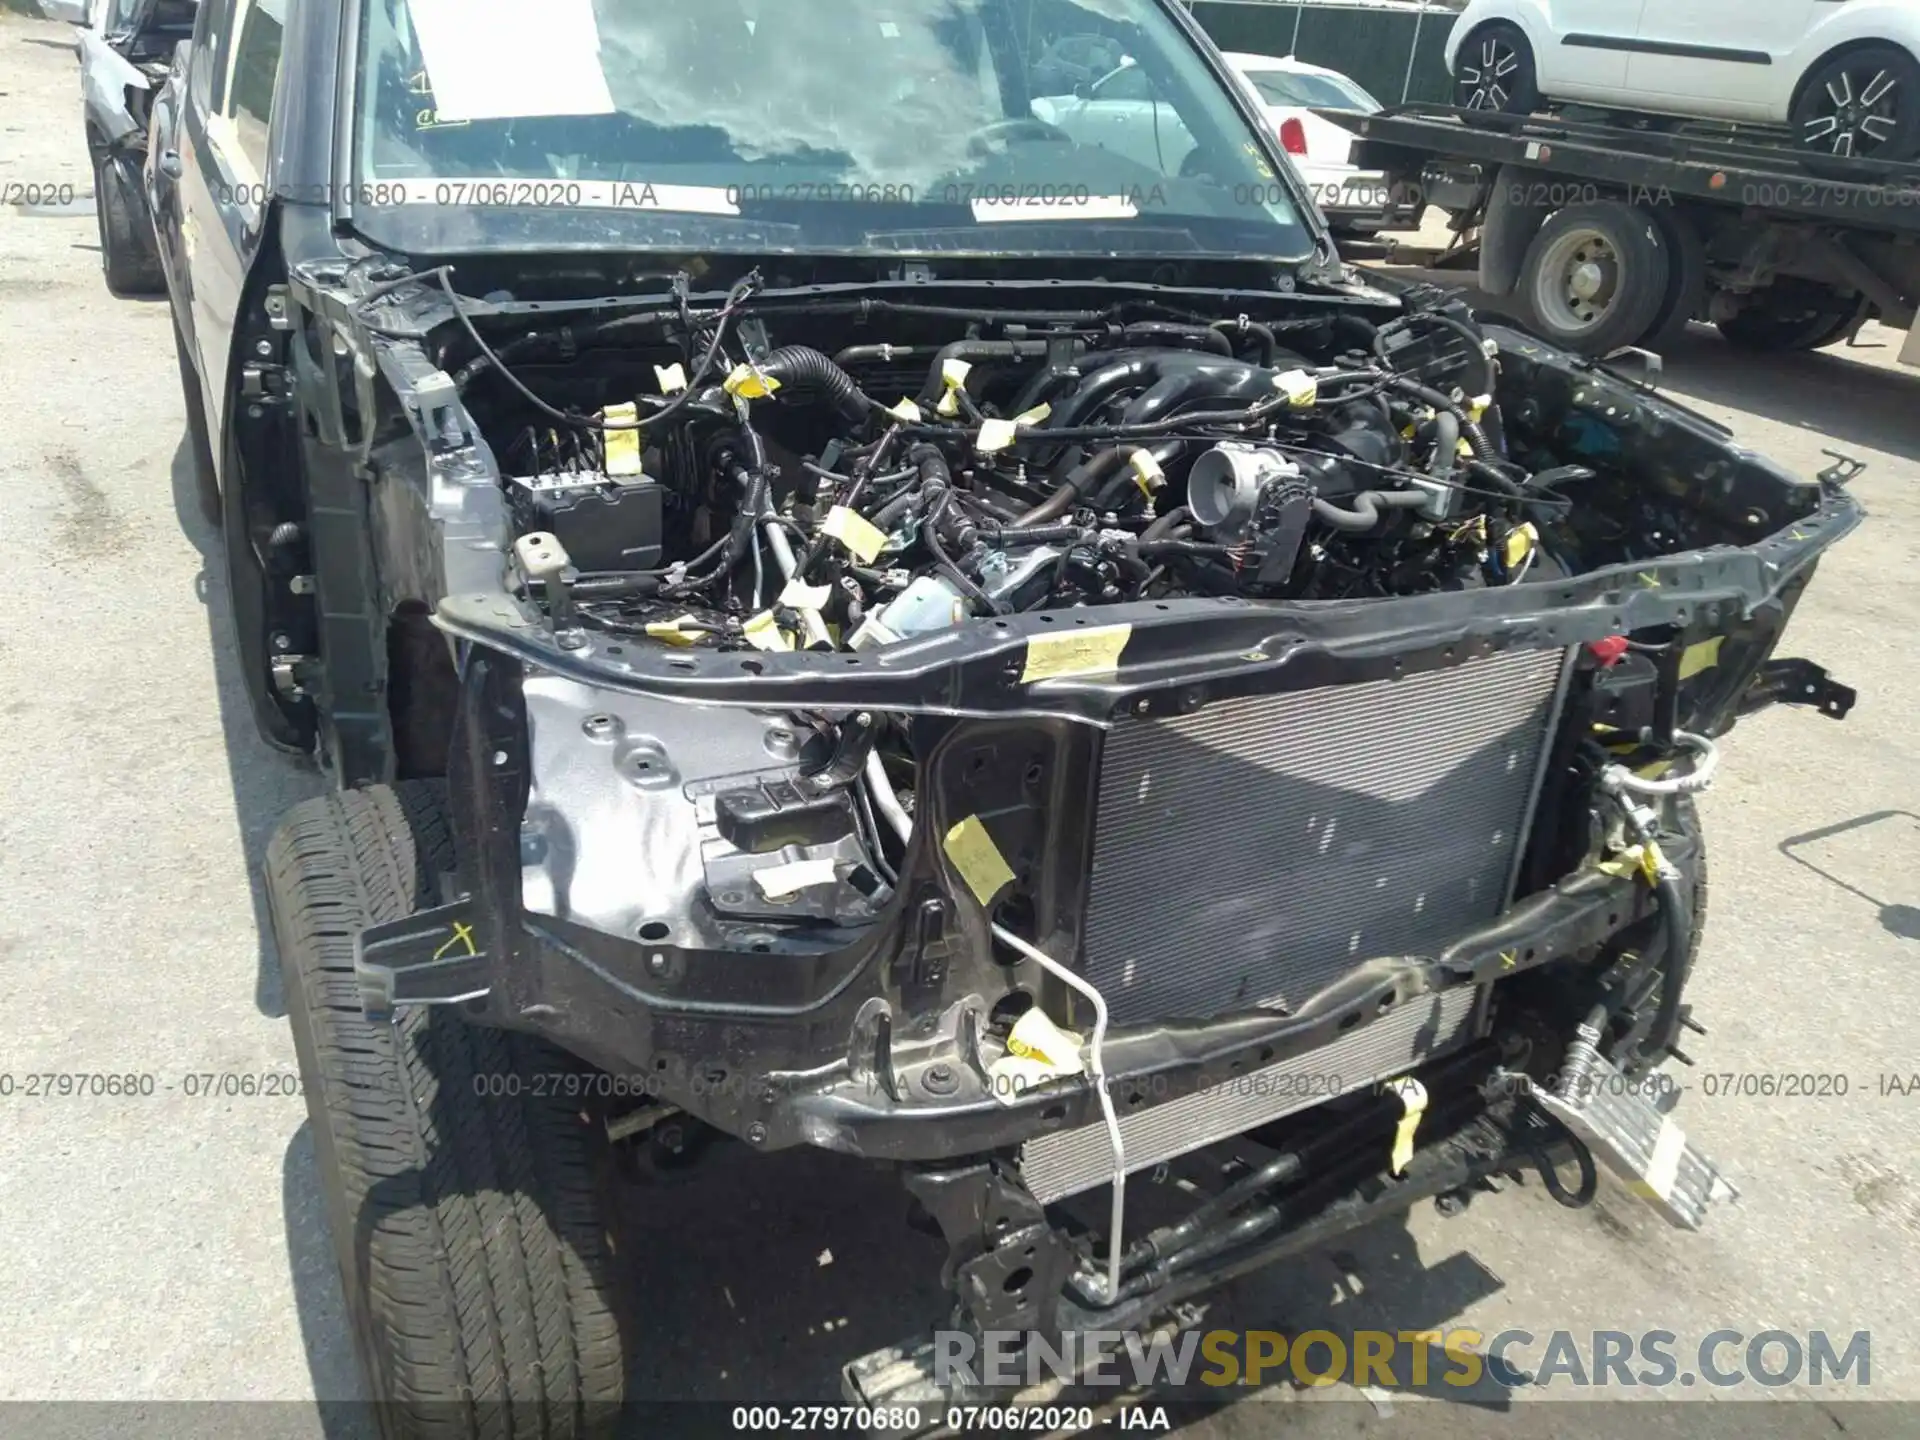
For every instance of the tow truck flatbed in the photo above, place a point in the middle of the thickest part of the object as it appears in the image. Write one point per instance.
(1617, 234)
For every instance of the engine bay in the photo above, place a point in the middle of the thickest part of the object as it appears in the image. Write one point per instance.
(850, 476)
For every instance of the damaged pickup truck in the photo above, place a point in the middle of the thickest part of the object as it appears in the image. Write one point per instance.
(843, 617)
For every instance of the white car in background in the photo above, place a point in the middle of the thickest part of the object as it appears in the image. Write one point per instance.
(1354, 201)
(1842, 73)
(1119, 112)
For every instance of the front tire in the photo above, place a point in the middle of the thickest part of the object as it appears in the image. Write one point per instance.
(129, 256)
(1863, 102)
(470, 1227)
(1495, 71)
(1595, 277)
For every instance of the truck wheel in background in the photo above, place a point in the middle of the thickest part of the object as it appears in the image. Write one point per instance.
(1863, 102)
(1595, 277)
(128, 254)
(1686, 295)
(471, 1225)
(1791, 315)
(1495, 71)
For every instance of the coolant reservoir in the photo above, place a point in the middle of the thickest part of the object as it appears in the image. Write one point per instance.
(930, 603)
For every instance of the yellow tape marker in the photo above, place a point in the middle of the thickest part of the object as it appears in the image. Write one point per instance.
(1702, 656)
(978, 859)
(853, 530)
(802, 596)
(1300, 388)
(906, 412)
(683, 631)
(1413, 1099)
(1093, 651)
(994, 435)
(764, 633)
(623, 446)
(749, 384)
(672, 378)
(1035, 415)
(1519, 544)
(1478, 407)
(1147, 473)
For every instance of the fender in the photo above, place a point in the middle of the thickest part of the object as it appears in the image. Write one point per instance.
(105, 76)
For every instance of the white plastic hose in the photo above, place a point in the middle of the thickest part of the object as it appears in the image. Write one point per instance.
(1096, 1065)
(887, 801)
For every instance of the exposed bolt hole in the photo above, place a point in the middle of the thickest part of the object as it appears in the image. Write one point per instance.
(1349, 1020)
(655, 930)
(1054, 1112)
(752, 667)
(1017, 1281)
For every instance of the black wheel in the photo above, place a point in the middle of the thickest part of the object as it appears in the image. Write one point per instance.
(1595, 276)
(471, 1228)
(1791, 316)
(206, 482)
(1686, 280)
(1494, 71)
(1861, 102)
(128, 254)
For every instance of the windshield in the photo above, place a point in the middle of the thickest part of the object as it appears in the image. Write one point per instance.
(1319, 92)
(984, 126)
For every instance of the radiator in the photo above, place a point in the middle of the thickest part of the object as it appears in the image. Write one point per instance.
(1255, 851)
(1069, 1161)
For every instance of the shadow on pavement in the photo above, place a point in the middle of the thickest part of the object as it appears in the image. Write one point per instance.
(265, 782)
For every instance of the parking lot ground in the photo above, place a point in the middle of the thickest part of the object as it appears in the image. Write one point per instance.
(167, 1245)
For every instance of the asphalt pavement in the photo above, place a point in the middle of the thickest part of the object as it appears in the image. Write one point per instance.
(165, 1242)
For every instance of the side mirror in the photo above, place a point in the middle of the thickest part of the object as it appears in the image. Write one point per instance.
(74, 12)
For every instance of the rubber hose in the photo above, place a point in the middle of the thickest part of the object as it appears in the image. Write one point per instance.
(1262, 334)
(1676, 919)
(1092, 471)
(1150, 332)
(1164, 527)
(1367, 505)
(802, 368)
(1446, 445)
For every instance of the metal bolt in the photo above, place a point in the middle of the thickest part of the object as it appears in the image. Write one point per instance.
(254, 412)
(263, 348)
(656, 964)
(571, 639)
(757, 1133)
(281, 642)
(940, 1080)
(1140, 707)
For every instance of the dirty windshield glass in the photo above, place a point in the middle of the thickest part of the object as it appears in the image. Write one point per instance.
(843, 125)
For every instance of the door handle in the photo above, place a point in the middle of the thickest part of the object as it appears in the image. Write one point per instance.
(170, 165)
